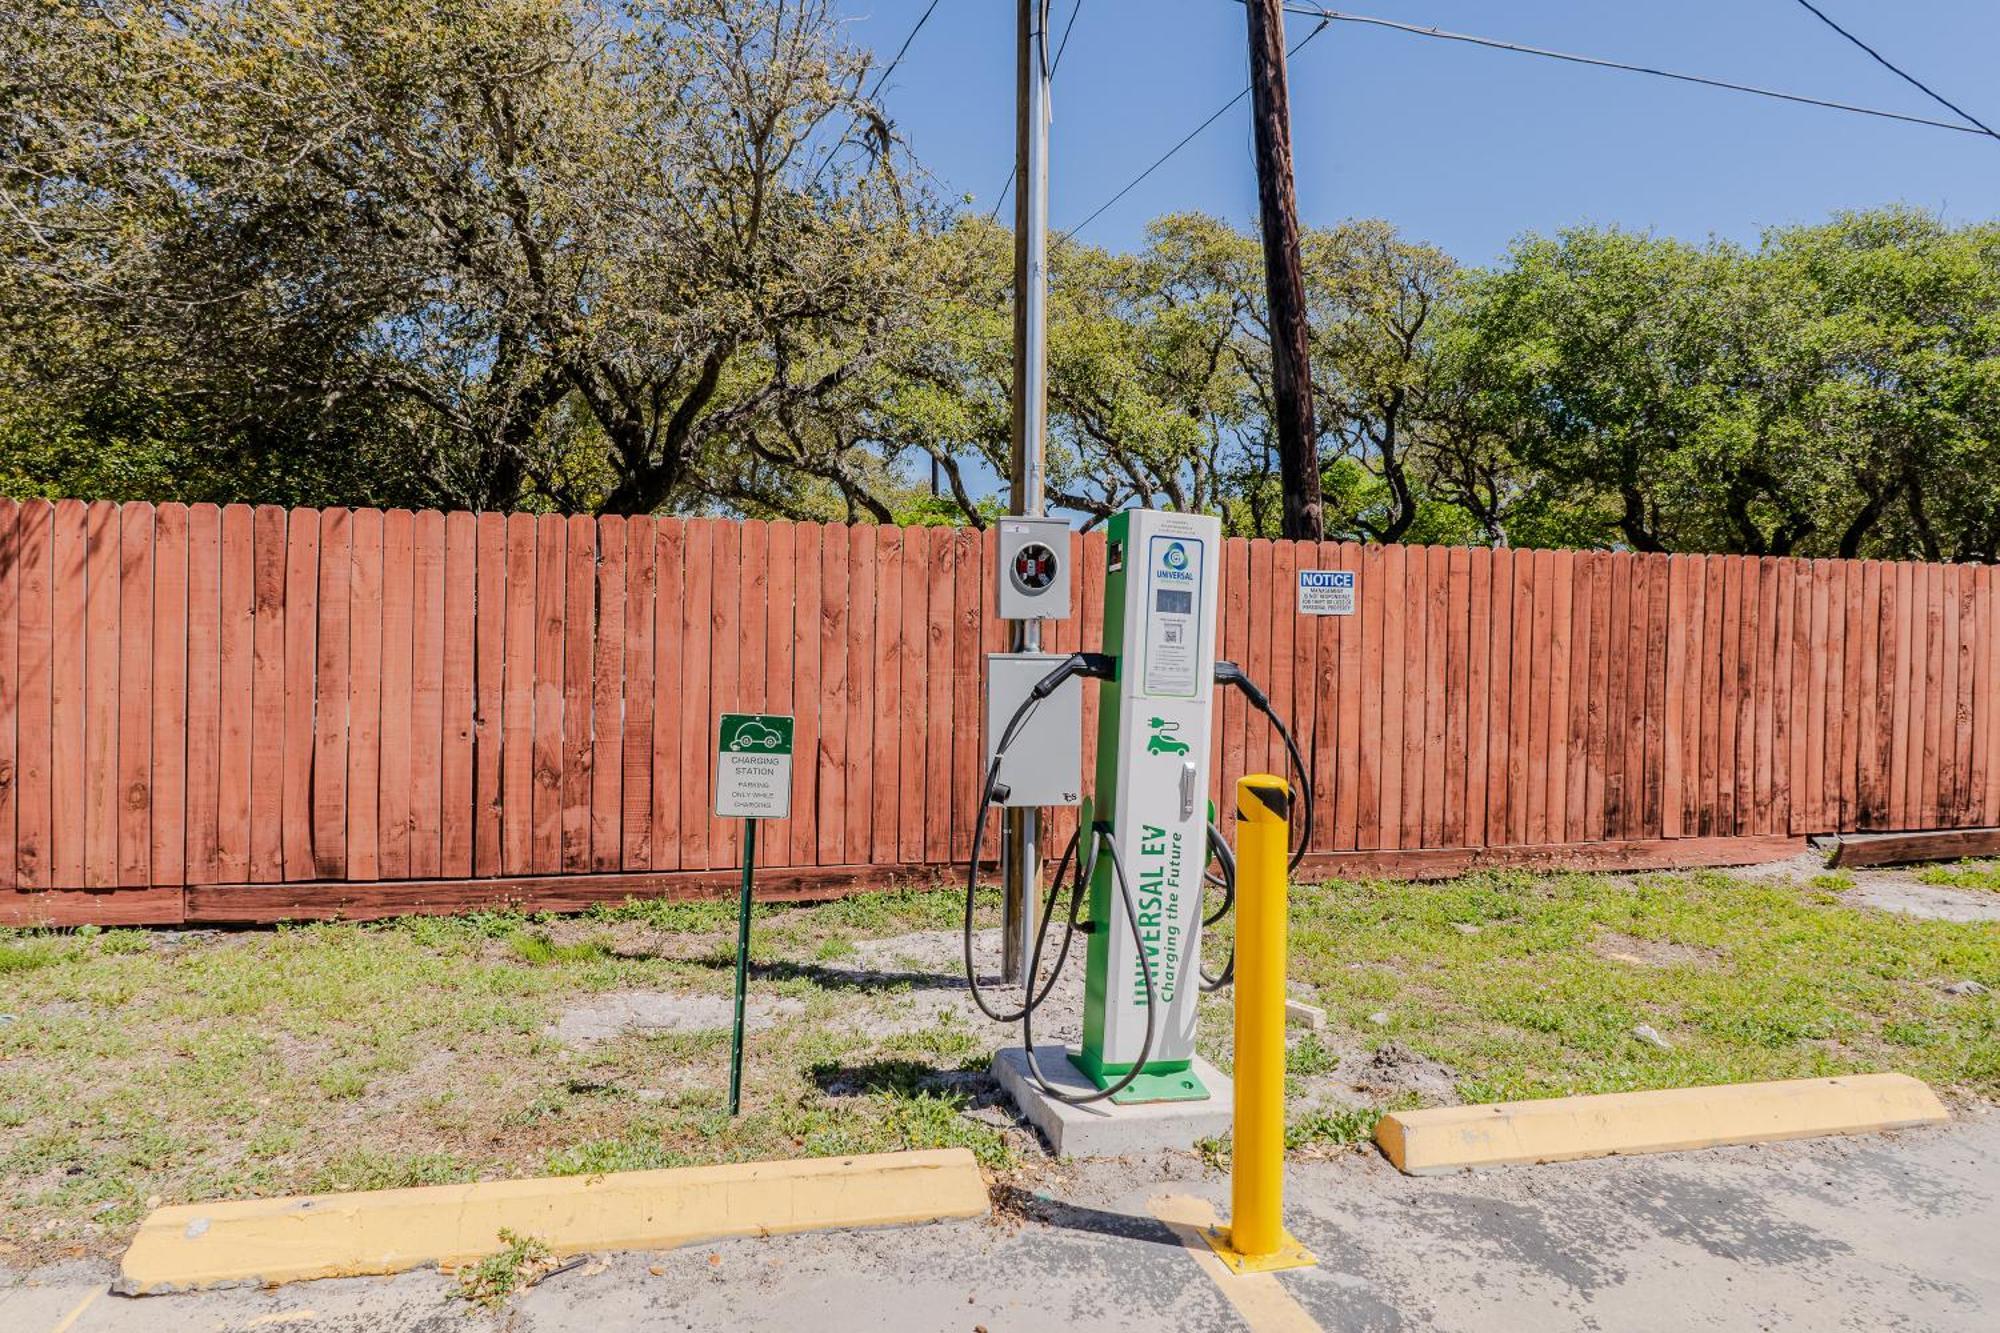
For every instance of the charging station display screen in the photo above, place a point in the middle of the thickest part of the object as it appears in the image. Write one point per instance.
(1172, 630)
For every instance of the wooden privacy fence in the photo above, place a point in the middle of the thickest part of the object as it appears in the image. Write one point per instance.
(240, 714)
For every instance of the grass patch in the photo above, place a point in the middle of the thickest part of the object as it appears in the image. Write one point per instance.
(536, 947)
(27, 954)
(1964, 875)
(493, 1279)
(414, 1052)
(1769, 982)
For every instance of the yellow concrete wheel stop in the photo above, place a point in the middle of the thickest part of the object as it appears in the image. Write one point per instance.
(1561, 1129)
(271, 1241)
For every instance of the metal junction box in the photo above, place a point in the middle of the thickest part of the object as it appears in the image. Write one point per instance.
(1033, 569)
(1044, 766)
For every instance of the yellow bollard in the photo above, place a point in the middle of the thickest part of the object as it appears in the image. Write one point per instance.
(1255, 1240)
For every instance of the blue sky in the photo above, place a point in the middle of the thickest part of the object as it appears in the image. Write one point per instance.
(1464, 147)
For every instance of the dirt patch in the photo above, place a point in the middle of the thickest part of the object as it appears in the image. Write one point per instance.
(602, 1017)
(1904, 893)
(1800, 869)
(1621, 948)
(1390, 1072)
(918, 978)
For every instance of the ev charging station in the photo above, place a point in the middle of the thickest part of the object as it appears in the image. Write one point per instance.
(1147, 843)
(1161, 588)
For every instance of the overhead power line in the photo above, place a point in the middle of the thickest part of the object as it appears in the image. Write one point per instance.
(1896, 70)
(1186, 139)
(876, 87)
(1337, 16)
(902, 50)
(1062, 45)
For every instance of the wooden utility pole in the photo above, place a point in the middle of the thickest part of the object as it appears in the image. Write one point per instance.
(1284, 281)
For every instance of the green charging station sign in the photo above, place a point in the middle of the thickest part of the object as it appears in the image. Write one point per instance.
(753, 766)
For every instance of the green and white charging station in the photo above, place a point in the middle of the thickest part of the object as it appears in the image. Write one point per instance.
(1162, 584)
(1146, 837)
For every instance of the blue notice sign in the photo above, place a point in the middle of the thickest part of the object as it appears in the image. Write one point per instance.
(1326, 592)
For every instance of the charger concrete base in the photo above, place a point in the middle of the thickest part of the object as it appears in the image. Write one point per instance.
(1103, 1129)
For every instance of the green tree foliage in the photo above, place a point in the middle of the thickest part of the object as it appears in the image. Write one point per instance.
(588, 249)
(1830, 392)
(637, 255)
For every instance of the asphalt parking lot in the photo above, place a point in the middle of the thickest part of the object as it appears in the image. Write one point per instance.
(1891, 1231)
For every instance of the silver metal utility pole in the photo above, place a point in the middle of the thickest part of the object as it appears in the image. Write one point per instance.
(1021, 855)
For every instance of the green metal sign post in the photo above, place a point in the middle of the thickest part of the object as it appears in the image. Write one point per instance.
(753, 781)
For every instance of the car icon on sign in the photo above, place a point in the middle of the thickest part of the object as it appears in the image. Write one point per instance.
(755, 736)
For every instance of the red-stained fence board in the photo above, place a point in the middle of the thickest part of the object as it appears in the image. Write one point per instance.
(808, 693)
(1672, 754)
(889, 773)
(1541, 702)
(1823, 668)
(1795, 592)
(461, 554)
(1603, 651)
(427, 658)
(329, 770)
(1499, 697)
(914, 736)
(1772, 633)
(364, 693)
(1562, 583)
(10, 688)
(862, 580)
(551, 551)
(237, 636)
(753, 627)
(669, 670)
(134, 790)
(33, 546)
(830, 618)
(1576, 819)
(168, 844)
(779, 606)
(725, 621)
(578, 644)
(519, 786)
(1430, 589)
(267, 694)
(1985, 705)
(489, 689)
(398, 644)
(607, 763)
(100, 698)
(635, 784)
(302, 551)
(1395, 688)
(696, 716)
(1523, 683)
(940, 612)
(1867, 634)
(1479, 649)
(69, 654)
(1656, 702)
(1959, 720)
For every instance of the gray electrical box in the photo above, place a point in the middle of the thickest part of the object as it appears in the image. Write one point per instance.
(1044, 765)
(1033, 569)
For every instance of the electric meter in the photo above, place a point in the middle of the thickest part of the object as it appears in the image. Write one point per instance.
(1034, 573)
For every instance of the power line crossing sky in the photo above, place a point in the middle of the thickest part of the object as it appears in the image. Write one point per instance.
(1454, 144)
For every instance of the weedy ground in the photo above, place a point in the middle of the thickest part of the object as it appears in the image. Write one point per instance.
(1964, 875)
(139, 1068)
